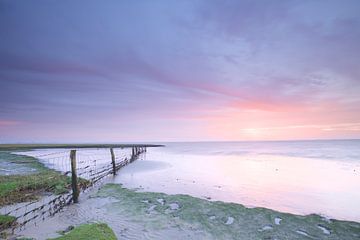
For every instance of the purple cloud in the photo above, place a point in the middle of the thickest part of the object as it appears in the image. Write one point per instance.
(172, 65)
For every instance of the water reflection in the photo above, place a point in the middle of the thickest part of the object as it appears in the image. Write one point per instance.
(298, 177)
(300, 185)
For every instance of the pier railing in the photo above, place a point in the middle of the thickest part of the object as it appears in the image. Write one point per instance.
(78, 169)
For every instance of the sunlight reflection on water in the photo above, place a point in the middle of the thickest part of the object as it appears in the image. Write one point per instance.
(300, 177)
(321, 178)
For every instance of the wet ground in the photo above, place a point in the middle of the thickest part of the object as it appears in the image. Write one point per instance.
(299, 177)
(297, 180)
(11, 164)
(144, 215)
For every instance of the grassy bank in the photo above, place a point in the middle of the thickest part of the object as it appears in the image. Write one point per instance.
(20, 188)
(158, 212)
(97, 231)
(6, 222)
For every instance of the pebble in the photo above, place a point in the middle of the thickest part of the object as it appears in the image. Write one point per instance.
(324, 229)
(150, 209)
(302, 233)
(229, 221)
(266, 228)
(161, 201)
(174, 206)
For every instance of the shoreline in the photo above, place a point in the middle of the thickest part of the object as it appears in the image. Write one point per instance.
(14, 147)
(133, 214)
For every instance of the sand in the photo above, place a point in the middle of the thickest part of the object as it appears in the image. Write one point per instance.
(147, 215)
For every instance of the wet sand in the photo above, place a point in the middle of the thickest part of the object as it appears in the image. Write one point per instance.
(295, 177)
(11, 164)
(301, 182)
(145, 215)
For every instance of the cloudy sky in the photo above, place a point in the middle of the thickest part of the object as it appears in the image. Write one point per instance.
(115, 71)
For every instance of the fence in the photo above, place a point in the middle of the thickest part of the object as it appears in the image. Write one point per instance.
(75, 172)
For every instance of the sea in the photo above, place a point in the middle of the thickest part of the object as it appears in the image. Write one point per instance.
(300, 177)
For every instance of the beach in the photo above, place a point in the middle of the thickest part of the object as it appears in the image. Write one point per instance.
(265, 190)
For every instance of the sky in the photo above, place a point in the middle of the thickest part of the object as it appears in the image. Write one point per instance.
(200, 70)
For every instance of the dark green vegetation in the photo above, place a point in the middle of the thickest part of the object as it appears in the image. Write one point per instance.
(218, 220)
(20, 188)
(6, 221)
(99, 231)
(12, 147)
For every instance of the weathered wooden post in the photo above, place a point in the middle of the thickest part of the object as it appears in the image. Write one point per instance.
(113, 160)
(132, 154)
(74, 180)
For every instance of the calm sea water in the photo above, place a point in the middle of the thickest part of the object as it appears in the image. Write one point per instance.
(300, 177)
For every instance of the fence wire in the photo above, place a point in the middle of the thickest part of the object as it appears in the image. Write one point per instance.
(45, 193)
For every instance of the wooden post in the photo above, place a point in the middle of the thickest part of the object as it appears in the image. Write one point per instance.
(132, 154)
(74, 182)
(113, 160)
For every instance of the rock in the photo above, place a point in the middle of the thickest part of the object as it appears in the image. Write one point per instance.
(152, 208)
(301, 232)
(277, 220)
(63, 232)
(161, 201)
(266, 228)
(174, 206)
(325, 219)
(229, 221)
(324, 229)
(69, 228)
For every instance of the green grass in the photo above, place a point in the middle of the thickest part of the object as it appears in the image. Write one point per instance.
(96, 231)
(209, 218)
(21, 188)
(6, 221)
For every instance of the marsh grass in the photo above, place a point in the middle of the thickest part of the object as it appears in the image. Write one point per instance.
(28, 187)
(210, 217)
(22, 188)
(6, 221)
(96, 231)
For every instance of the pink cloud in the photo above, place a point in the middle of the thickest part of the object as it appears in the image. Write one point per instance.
(6, 123)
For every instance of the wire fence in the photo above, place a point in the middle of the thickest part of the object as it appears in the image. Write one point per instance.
(64, 175)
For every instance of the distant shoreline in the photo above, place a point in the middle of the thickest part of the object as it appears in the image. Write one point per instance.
(54, 146)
